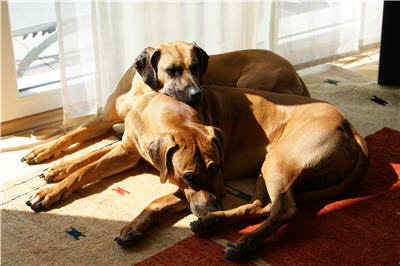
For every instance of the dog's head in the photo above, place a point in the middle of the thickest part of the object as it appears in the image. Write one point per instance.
(174, 69)
(192, 160)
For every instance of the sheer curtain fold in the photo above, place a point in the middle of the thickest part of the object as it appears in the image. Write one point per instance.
(78, 64)
(100, 40)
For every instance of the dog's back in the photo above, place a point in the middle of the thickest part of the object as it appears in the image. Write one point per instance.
(257, 122)
(249, 69)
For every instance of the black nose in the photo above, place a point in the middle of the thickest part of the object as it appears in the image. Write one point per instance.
(195, 95)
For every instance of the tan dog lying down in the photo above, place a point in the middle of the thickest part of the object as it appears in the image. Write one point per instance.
(304, 148)
(177, 69)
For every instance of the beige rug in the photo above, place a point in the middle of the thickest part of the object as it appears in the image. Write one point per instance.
(351, 93)
(80, 231)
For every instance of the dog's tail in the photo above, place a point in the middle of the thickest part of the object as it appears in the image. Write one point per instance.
(359, 169)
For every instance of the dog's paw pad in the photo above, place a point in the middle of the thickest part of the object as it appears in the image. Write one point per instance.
(239, 251)
(231, 253)
(49, 179)
(197, 228)
(37, 206)
(205, 226)
(130, 239)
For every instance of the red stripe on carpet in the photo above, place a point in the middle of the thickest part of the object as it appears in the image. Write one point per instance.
(360, 228)
(193, 250)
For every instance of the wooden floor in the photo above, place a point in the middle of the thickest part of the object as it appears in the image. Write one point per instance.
(365, 63)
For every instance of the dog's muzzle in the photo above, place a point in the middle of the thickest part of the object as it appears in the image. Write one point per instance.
(190, 94)
(201, 208)
(194, 95)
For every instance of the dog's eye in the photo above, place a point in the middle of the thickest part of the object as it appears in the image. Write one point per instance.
(194, 68)
(213, 168)
(190, 177)
(174, 71)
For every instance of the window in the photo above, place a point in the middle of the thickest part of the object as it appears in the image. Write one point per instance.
(30, 62)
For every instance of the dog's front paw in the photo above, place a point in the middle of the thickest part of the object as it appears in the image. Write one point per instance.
(36, 204)
(241, 250)
(45, 198)
(207, 225)
(128, 239)
(57, 172)
(39, 154)
(129, 235)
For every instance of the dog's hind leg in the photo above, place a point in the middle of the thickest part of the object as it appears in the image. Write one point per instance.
(132, 232)
(95, 127)
(115, 161)
(278, 179)
(61, 169)
(215, 221)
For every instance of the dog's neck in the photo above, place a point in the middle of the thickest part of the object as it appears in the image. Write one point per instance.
(205, 108)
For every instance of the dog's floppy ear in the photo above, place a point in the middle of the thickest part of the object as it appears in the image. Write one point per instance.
(146, 66)
(211, 144)
(217, 137)
(160, 151)
(203, 58)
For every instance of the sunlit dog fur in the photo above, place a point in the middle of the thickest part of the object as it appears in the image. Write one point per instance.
(177, 69)
(305, 149)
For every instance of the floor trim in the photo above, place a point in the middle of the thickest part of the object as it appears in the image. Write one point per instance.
(30, 122)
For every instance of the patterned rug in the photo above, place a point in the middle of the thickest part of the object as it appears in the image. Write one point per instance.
(360, 228)
(368, 105)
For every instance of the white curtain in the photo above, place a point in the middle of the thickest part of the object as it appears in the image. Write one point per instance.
(100, 40)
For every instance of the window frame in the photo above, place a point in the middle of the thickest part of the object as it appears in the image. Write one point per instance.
(14, 106)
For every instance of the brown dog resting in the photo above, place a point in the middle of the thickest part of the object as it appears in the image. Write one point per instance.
(177, 69)
(305, 149)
